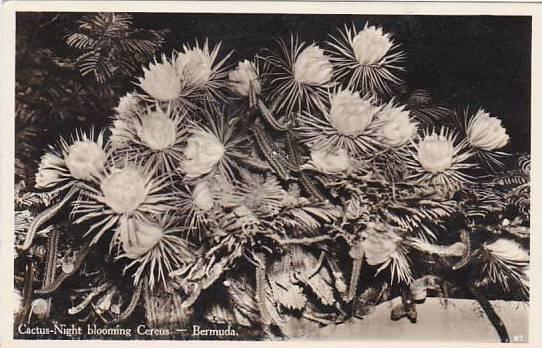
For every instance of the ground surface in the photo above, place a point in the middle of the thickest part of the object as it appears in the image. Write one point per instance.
(462, 320)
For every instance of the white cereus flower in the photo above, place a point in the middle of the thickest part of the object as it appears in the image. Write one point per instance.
(435, 158)
(486, 132)
(157, 130)
(348, 123)
(83, 159)
(48, 175)
(436, 153)
(156, 246)
(331, 161)
(350, 114)
(253, 194)
(161, 81)
(196, 200)
(128, 106)
(201, 70)
(367, 60)
(395, 126)
(508, 250)
(41, 308)
(370, 45)
(203, 196)
(202, 153)
(243, 78)
(140, 237)
(153, 135)
(212, 147)
(378, 245)
(313, 67)
(124, 190)
(301, 75)
(194, 65)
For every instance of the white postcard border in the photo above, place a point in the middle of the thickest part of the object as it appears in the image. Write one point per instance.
(7, 108)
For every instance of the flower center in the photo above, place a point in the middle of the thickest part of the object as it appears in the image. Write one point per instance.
(486, 132)
(195, 66)
(243, 78)
(331, 160)
(349, 114)
(85, 159)
(379, 246)
(436, 154)
(124, 190)
(141, 237)
(40, 307)
(202, 153)
(312, 67)
(161, 81)
(158, 131)
(371, 45)
(396, 128)
(203, 196)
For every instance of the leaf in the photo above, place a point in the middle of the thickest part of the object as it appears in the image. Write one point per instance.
(109, 44)
(419, 99)
(81, 41)
(93, 62)
(432, 115)
(141, 46)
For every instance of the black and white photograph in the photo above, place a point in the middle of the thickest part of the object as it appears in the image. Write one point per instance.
(270, 176)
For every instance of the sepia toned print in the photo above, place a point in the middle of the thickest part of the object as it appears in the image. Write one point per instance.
(272, 176)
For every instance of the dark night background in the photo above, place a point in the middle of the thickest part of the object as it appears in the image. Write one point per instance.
(461, 60)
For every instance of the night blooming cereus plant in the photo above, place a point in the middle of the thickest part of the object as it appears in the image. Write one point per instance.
(290, 190)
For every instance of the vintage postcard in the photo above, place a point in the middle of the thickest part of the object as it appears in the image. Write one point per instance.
(269, 171)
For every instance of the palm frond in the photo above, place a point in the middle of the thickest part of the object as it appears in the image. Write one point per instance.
(418, 211)
(419, 99)
(305, 218)
(35, 200)
(429, 116)
(482, 200)
(81, 41)
(106, 39)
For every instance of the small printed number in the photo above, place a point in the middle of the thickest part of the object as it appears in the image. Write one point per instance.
(518, 338)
